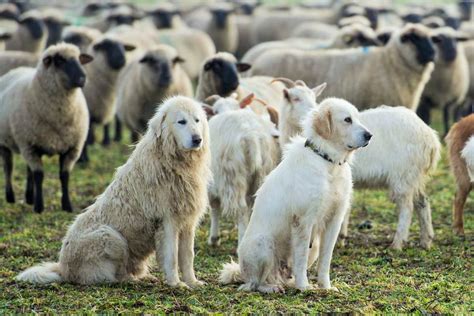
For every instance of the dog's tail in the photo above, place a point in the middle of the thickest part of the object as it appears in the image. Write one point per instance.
(48, 272)
(230, 273)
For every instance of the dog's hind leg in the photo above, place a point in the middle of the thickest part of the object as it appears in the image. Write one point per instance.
(405, 211)
(423, 210)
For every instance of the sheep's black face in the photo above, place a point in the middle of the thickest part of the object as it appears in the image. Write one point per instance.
(74, 39)
(55, 28)
(361, 40)
(92, 9)
(447, 47)
(220, 16)
(247, 8)
(161, 68)
(162, 19)
(384, 37)
(120, 19)
(412, 18)
(226, 73)
(69, 69)
(34, 26)
(425, 51)
(114, 53)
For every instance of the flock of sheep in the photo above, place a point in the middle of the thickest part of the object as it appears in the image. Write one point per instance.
(259, 70)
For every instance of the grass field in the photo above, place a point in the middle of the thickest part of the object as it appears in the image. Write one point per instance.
(369, 276)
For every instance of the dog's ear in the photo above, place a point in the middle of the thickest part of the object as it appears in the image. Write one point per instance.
(274, 116)
(322, 123)
(157, 123)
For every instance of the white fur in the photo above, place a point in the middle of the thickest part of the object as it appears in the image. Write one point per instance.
(303, 200)
(468, 155)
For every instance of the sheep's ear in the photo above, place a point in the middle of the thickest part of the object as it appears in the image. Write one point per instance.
(47, 61)
(65, 23)
(208, 109)
(323, 124)
(85, 59)
(462, 38)
(319, 89)
(247, 100)
(274, 116)
(178, 60)
(208, 65)
(436, 39)
(241, 67)
(129, 47)
(384, 37)
(286, 94)
(144, 59)
(5, 36)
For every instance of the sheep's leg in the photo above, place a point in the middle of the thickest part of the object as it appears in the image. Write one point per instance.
(186, 257)
(118, 130)
(29, 193)
(8, 170)
(106, 140)
(458, 207)
(405, 212)
(66, 163)
(169, 253)
(242, 225)
(84, 158)
(446, 117)
(329, 239)
(423, 209)
(91, 134)
(214, 230)
(134, 136)
(33, 159)
(424, 110)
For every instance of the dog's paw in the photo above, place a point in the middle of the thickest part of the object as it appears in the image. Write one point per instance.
(178, 284)
(307, 287)
(195, 283)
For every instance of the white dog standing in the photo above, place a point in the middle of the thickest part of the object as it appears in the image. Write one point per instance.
(154, 203)
(300, 207)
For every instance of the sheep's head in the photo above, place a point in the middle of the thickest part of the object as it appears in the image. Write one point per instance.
(415, 44)
(220, 15)
(63, 65)
(33, 24)
(299, 97)
(163, 16)
(446, 40)
(160, 63)
(356, 35)
(111, 52)
(215, 104)
(221, 73)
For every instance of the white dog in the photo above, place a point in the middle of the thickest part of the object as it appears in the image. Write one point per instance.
(300, 207)
(154, 203)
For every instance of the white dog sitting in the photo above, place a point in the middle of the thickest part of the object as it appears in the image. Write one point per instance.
(153, 204)
(300, 207)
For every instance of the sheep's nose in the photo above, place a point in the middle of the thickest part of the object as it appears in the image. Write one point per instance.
(367, 136)
(196, 140)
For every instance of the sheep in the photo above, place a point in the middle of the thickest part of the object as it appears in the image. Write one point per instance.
(146, 82)
(220, 24)
(99, 90)
(31, 34)
(55, 23)
(394, 74)
(9, 16)
(166, 16)
(349, 36)
(396, 130)
(219, 75)
(194, 46)
(449, 81)
(459, 141)
(243, 152)
(43, 112)
(3, 37)
(81, 36)
(13, 59)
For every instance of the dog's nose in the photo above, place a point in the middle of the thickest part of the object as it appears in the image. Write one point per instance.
(367, 136)
(196, 140)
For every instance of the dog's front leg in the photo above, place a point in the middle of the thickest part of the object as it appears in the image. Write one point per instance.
(169, 256)
(300, 239)
(186, 257)
(327, 247)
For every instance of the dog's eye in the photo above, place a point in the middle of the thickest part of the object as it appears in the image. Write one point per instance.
(182, 122)
(348, 120)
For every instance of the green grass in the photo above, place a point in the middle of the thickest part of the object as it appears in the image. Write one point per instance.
(369, 276)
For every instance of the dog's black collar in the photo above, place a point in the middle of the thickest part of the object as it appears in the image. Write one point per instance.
(316, 150)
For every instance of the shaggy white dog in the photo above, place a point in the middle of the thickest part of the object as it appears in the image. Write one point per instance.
(154, 203)
(300, 207)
